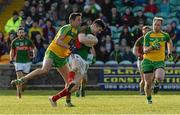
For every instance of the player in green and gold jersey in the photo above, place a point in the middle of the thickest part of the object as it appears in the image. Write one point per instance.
(78, 64)
(154, 56)
(57, 52)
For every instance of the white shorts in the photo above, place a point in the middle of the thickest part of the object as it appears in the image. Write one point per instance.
(24, 67)
(139, 65)
(80, 64)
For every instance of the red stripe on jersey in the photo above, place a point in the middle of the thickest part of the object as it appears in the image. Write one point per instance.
(140, 51)
(78, 44)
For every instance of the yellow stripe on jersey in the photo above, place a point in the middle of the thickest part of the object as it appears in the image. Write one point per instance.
(156, 35)
(71, 34)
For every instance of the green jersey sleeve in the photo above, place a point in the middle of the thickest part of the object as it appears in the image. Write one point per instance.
(147, 39)
(13, 44)
(30, 43)
(64, 30)
(167, 37)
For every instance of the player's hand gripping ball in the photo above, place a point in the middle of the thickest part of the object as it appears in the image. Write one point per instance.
(94, 40)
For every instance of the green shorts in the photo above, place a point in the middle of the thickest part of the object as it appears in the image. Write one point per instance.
(149, 66)
(57, 61)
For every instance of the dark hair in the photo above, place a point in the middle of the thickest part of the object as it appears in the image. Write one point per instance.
(99, 23)
(73, 16)
(15, 13)
(20, 28)
(146, 27)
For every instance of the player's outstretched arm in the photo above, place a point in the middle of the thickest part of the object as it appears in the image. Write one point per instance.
(169, 48)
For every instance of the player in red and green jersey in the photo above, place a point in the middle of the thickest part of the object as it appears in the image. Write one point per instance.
(154, 56)
(87, 53)
(57, 53)
(78, 64)
(138, 51)
(21, 55)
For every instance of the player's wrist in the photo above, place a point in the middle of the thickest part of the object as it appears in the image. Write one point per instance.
(170, 57)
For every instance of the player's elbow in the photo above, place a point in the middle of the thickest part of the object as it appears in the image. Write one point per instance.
(81, 40)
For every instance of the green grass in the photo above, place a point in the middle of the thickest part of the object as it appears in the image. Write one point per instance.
(96, 102)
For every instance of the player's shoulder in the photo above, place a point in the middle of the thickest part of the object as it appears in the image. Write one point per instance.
(15, 39)
(27, 39)
(139, 41)
(84, 29)
(66, 27)
(147, 35)
(164, 33)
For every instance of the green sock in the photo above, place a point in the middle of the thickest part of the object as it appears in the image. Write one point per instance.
(82, 88)
(68, 101)
(149, 97)
(156, 82)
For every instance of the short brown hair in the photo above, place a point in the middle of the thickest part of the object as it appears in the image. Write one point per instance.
(99, 23)
(73, 16)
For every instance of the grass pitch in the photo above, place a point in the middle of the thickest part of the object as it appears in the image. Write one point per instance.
(96, 102)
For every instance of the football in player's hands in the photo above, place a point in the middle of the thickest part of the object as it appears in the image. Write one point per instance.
(93, 38)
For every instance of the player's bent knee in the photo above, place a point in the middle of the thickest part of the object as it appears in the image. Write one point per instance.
(160, 79)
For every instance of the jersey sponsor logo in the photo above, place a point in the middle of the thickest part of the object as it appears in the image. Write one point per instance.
(22, 48)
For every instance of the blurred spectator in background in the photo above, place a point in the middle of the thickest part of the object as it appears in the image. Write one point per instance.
(128, 3)
(86, 12)
(33, 13)
(128, 18)
(75, 8)
(47, 3)
(123, 45)
(151, 7)
(107, 6)
(128, 55)
(141, 2)
(116, 53)
(26, 8)
(34, 30)
(140, 18)
(108, 44)
(13, 23)
(41, 23)
(40, 11)
(1, 37)
(54, 13)
(38, 41)
(126, 34)
(102, 55)
(114, 18)
(9, 38)
(94, 9)
(22, 15)
(48, 30)
(165, 7)
(29, 22)
(26, 29)
(138, 31)
(172, 34)
(102, 17)
(41, 52)
(64, 10)
(177, 54)
(2, 46)
(175, 30)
